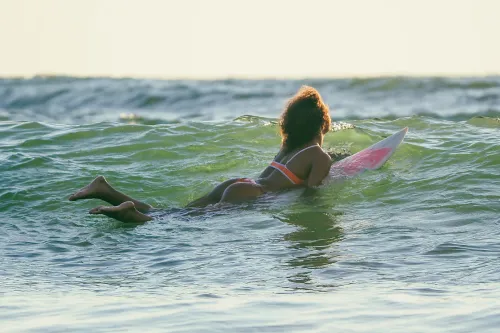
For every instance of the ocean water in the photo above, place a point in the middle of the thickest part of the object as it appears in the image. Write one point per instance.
(412, 247)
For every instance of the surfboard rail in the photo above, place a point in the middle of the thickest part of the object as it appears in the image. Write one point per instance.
(370, 158)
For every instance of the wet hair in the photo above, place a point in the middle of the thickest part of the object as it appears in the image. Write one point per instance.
(305, 117)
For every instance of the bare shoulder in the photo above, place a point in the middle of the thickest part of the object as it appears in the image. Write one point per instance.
(321, 156)
(320, 165)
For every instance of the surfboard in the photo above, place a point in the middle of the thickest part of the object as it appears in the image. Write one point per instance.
(370, 158)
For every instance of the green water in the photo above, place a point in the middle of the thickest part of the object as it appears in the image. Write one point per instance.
(411, 247)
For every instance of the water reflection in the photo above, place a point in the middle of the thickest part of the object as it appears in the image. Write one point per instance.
(317, 230)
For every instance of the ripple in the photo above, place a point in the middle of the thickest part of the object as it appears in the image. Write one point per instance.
(406, 247)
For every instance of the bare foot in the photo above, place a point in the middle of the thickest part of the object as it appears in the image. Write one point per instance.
(95, 190)
(125, 212)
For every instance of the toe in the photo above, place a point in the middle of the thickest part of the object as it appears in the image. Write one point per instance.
(96, 210)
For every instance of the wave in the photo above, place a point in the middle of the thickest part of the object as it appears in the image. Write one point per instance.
(60, 99)
(460, 116)
(427, 84)
(485, 122)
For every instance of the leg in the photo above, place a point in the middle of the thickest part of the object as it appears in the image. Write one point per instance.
(241, 192)
(125, 212)
(100, 189)
(213, 197)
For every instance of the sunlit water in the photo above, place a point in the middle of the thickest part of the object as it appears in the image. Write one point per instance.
(412, 247)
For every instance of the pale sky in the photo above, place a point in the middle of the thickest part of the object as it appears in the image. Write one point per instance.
(249, 38)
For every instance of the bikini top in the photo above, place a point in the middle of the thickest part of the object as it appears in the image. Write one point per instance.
(286, 172)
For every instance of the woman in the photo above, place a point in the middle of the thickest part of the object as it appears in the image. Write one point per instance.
(300, 162)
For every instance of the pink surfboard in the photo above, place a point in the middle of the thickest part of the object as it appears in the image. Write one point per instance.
(370, 158)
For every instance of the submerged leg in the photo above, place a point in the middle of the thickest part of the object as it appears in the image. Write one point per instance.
(125, 212)
(99, 188)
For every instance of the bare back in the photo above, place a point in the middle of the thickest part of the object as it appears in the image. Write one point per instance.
(309, 163)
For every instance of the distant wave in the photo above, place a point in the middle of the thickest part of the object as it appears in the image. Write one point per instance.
(61, 99)
(437, 83)
(490, 113)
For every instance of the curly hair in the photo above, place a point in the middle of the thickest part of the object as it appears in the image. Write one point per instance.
(305, 117)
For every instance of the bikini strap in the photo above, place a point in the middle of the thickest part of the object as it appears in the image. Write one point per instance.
(287, 173)
(300, 151)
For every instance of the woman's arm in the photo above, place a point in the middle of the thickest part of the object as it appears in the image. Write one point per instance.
(319, 171)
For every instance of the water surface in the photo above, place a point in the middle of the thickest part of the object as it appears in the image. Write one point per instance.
(411, 247)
